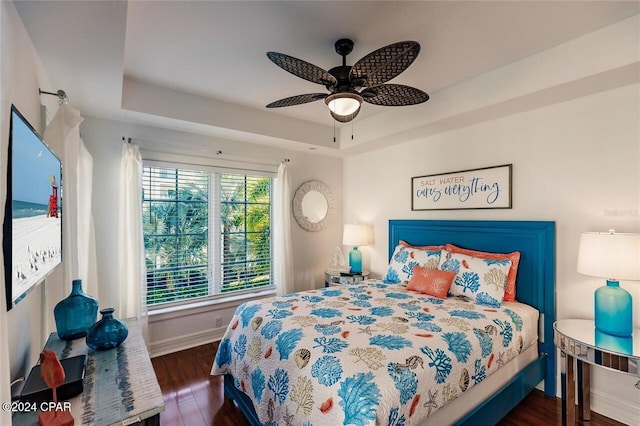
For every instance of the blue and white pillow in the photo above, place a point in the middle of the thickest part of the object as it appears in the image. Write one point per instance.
(481, 280)
(405, 257)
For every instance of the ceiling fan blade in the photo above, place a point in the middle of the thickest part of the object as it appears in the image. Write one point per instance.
(302, 69)
(345, 118)
(394, 95)
(385, 63)
(297, 100)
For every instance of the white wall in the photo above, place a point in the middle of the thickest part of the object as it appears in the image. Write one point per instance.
(171, 331)
(29, 323)
(576, 163)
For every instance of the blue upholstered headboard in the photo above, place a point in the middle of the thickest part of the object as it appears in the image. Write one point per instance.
(535, 240)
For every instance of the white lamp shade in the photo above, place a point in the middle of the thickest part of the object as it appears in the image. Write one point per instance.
(343, 104)
(355, 235)
(610, 255)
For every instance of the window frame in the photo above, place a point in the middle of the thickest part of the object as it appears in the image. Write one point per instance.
(215, 168)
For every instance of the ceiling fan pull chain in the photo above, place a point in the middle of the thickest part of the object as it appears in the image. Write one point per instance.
(334, 131)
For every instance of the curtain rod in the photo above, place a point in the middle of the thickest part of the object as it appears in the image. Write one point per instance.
(242, 158)
(60, 93)
(228, 157)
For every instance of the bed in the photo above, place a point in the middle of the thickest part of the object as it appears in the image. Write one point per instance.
(339, 355)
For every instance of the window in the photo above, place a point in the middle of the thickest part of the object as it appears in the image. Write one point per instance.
(206, 233)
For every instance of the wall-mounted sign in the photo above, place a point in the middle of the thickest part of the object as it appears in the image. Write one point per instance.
(486, 188)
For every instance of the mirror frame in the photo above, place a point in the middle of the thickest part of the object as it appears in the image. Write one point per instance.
(313, 185)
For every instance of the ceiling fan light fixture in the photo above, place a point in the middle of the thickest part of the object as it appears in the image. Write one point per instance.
(349, 86)
(343, 104)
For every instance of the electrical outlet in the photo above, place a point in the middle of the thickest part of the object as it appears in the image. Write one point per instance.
(218, 322)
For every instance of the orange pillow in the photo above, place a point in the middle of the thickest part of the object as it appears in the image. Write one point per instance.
(433, 282)
(510, 285)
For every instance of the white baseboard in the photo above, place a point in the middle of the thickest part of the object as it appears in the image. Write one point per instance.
(622, 411)
(186, 341)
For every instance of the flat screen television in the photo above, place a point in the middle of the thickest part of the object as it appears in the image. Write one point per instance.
(32, 228)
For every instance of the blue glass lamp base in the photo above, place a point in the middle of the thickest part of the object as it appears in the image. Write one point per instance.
(355, 260)
(613, 310)
(623, 345)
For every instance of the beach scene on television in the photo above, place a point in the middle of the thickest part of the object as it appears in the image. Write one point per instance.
(36, 209)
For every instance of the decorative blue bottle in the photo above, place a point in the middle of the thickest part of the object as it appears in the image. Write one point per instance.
(75, 314)
(355, 260)
(107, 333)
(622, 345)
(613, 310)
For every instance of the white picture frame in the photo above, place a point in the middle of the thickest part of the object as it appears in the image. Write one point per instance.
(484, 188)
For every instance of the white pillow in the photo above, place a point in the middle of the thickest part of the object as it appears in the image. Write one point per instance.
(481, 280)
(405, 257)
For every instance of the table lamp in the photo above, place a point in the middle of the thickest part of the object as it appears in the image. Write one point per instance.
(355, 235)
(613, 256)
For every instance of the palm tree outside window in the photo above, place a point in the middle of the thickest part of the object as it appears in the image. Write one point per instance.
(206, 233)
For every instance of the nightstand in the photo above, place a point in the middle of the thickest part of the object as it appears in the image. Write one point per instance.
(120, 385)
(332, 278)
(580, 340)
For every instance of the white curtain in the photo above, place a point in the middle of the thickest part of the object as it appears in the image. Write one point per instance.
(130, 238)
(63, 132)
(283, 251)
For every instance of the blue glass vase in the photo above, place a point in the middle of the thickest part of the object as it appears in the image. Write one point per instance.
(613, 310)
(75, 314)
(107, 333)
(355, 260)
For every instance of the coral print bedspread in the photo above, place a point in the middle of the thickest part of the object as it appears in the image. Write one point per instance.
(370, 353)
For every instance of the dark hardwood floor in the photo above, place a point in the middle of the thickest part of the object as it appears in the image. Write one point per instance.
(193, 397)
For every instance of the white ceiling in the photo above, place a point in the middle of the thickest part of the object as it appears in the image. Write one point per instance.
(216, 49)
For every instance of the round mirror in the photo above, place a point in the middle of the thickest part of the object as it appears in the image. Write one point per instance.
(313, 205)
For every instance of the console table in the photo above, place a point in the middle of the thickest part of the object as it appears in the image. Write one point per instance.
(119, 386)
(579, 339)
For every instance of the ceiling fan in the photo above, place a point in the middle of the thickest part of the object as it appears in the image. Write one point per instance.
(348, 86)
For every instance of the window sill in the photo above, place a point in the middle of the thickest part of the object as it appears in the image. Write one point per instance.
(218, 303)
